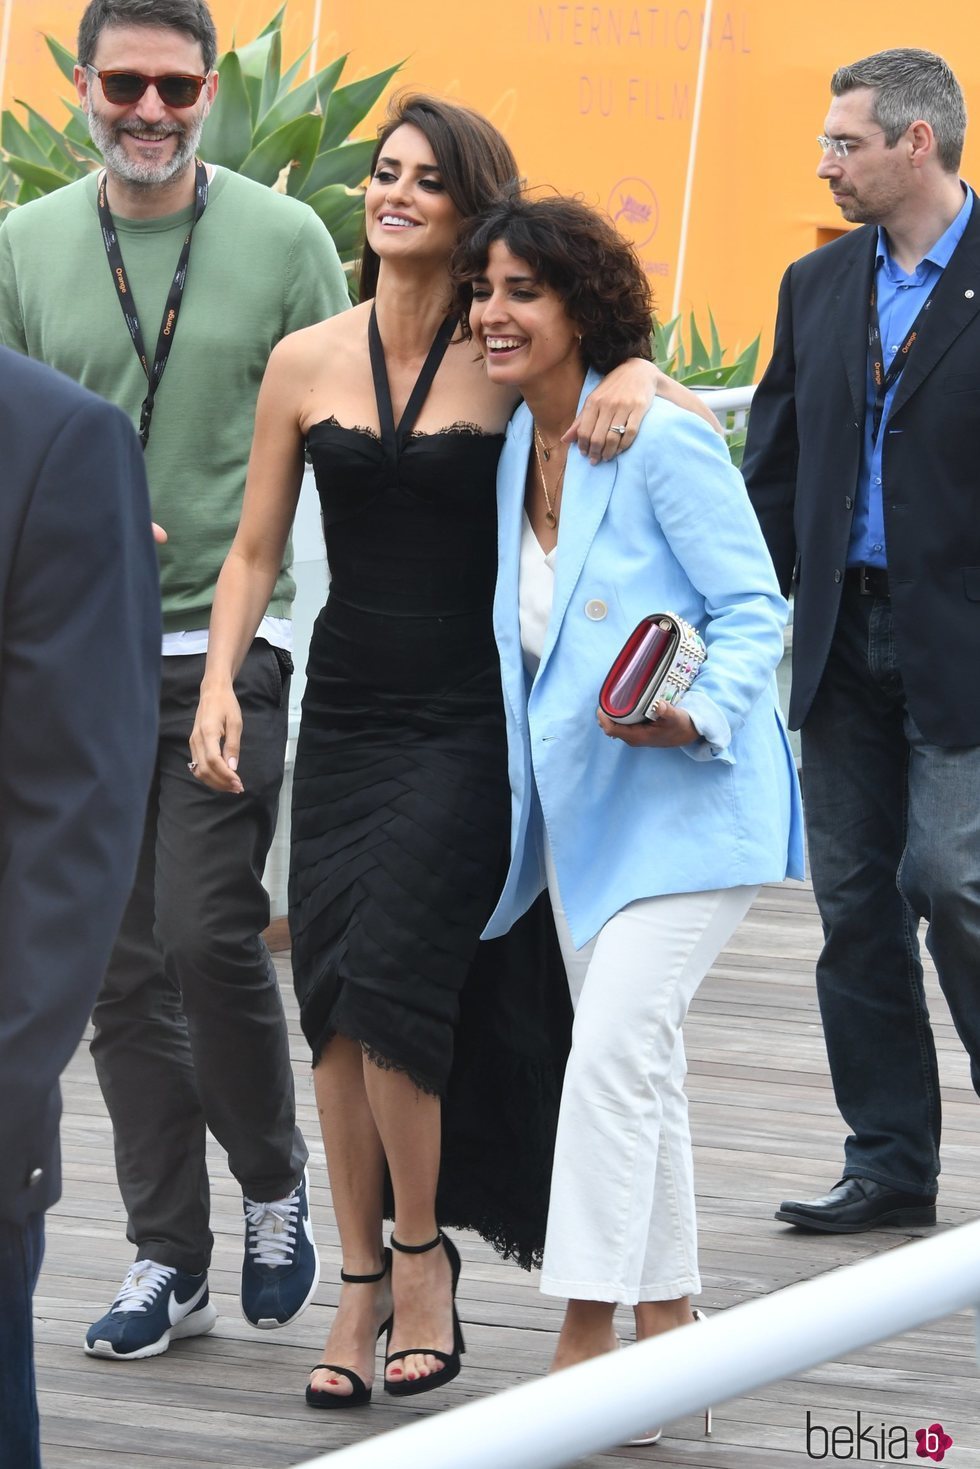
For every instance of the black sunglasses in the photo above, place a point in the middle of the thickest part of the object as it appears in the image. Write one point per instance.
(122, 88)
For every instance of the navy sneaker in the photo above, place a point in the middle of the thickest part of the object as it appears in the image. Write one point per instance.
(281, 1269)
(155, 1305)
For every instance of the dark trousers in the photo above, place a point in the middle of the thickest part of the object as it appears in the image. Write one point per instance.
(189, 1027)
(21, 1252)
(893, 824)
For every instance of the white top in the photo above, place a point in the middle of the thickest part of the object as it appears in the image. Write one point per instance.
(276, 630)
(536, 594)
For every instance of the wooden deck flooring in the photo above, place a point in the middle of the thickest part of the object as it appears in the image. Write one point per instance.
(765, 1128)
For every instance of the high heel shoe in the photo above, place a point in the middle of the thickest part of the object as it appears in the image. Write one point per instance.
(360, 1393)
(655, 1434)
(405, 1387)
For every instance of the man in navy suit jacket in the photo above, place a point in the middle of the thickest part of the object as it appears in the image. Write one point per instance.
(79, 690)
(862, 465)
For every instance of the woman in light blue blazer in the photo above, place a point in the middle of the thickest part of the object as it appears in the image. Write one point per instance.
(653, 838)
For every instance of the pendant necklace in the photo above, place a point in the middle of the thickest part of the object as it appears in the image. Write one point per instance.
(550, 515)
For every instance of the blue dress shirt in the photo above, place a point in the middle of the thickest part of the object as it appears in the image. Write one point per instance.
(900, 299)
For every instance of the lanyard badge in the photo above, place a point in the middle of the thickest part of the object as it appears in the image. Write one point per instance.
(881, 379)
(171, 311)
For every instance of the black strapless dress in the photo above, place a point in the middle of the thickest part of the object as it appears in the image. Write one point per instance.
(401, 810)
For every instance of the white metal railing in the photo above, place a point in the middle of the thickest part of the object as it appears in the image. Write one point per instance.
(723, 401)
(558, 1420)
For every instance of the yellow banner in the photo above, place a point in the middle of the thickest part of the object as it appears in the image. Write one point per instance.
(600, 99)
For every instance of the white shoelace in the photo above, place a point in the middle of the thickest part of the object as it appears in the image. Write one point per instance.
(144, 1282)
(272, 1230)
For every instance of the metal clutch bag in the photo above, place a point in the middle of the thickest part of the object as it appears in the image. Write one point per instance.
(660, 659)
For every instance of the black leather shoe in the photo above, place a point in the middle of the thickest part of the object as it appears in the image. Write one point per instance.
(855, 1204)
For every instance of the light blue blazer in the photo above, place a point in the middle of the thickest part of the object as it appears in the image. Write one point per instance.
(666, 526)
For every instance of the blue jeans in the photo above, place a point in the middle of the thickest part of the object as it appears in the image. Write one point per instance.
(21, 1252)
(893, 824)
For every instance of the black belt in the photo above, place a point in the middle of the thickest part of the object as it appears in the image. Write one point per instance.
(871, 581)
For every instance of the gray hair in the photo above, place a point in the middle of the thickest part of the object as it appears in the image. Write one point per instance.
(191, 16)
(909, 84)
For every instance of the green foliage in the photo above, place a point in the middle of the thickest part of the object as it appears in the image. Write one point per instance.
(264, 124)
(701, 366)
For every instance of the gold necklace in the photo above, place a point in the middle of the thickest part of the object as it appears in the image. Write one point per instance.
(550, 515)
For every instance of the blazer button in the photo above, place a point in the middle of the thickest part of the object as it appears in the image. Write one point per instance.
(595, 610)
(848, 502)
(34, 1177)
(837, 576)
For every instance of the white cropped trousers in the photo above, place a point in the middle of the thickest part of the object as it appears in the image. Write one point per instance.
(621, 1219)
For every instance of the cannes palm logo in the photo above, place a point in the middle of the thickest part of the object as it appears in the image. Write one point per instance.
(875, 1442)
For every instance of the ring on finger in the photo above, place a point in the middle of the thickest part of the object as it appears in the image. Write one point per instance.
(192, 766)
(617, 428)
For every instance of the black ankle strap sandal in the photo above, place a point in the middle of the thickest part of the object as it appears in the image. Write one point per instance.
(360, 1393)
(405, 1387)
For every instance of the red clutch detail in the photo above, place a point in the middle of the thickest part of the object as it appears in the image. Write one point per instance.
(659, 660)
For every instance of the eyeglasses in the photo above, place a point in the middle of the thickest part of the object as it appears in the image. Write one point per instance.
(841, 146)
(123, 88)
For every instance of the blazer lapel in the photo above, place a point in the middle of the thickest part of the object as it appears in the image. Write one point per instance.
(852, 295)
(585, 495)
(511, 473)
(956, 304)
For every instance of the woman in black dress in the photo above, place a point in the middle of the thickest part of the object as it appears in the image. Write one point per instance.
(401, 803)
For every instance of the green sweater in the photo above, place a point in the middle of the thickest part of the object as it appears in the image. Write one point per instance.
(261, 266)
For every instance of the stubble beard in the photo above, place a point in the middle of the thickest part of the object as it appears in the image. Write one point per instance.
(851, 211)
(145, 175)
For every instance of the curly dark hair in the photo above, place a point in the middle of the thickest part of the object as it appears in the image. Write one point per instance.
(580, 255)
(474, 158)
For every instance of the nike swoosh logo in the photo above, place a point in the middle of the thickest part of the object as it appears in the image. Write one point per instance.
(177, 1310)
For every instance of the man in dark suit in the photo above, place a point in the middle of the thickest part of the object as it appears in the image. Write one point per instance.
(862, 464)
(79, 692)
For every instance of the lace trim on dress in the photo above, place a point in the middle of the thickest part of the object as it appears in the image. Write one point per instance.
(377, 1058)
(461, 426)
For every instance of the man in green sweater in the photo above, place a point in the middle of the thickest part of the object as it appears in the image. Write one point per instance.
(164, 284)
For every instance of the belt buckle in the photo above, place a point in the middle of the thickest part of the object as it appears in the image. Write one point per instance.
(864, 578)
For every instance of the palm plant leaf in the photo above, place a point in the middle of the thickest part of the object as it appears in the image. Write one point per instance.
(15, 138)
(293, 145)
(227, 135)
(41, 177)
(64, 59)
(275, 24)
(348, 105)
(344, 165)
(271, 76)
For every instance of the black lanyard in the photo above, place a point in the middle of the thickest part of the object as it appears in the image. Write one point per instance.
(881, 379)
(172, 309)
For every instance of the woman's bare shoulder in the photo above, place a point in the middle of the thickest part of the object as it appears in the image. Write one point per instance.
(345, 332)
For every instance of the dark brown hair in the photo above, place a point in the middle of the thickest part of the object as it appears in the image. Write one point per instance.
(580, 255)
(191, 16)
(474, 159)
